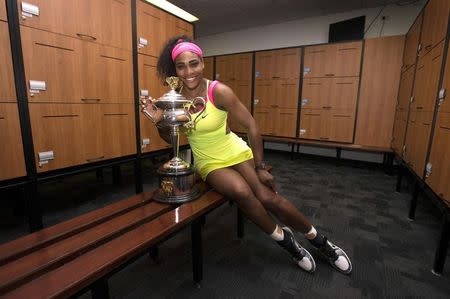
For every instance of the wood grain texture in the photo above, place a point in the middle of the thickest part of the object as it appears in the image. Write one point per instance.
(378, 91)
(7, 86)
(440, 157)
(445, 106)
(435, 23)
(398, 134)
(3, 15)
(412, 43)
(208, 72)
(11, 149)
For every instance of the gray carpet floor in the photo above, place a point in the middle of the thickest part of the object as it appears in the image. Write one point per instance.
(354, 204)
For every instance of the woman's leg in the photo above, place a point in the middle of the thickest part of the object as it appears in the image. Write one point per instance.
(286, 212)
(283, 209)
(230, 183)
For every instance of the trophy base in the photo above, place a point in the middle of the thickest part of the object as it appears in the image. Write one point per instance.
(176, 186)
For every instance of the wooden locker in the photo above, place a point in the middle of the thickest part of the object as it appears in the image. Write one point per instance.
(11, 149)
(93, 128)
(427, 80)
(340, 125)
(58, 128)
(318, 61)
(412, 44)
(243, 91)
(184, 28)
(285, 93)
(56, 60)
(378, 91)
(287, 64)
(151, 33)
(208, 71)
(7, 86)
(264, 118)
(149, 82)
(226, 69)
(113, 69)
(445, 102)
(409, 144)
(423, 124)
(264, 65)
(3, 14)
(286, 122)
(399, 131)
(405, 89)
(310, 124)
(343, 94)
(440, 158)
(316, 92)
(347, 59)
(435, 22)
(264, 93)
(119, 131)
(106, 22)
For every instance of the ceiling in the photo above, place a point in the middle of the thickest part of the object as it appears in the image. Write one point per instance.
(230, 15)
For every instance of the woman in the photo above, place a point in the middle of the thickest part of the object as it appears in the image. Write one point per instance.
(232, 168)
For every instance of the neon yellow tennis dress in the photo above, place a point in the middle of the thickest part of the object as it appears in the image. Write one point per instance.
(212, 147)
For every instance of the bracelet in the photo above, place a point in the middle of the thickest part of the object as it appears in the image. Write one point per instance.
(260, 166)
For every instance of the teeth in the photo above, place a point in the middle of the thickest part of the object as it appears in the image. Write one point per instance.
(190, 79)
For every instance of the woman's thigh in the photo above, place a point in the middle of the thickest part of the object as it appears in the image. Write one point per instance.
(230, 183)
(247, 171)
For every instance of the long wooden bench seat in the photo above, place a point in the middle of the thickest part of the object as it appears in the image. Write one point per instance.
(67, 258)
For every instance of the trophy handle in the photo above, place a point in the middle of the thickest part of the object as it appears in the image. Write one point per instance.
(197, 101)
(144, 106)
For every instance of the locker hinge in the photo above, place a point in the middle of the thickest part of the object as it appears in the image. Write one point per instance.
(404, 150)
(441, 96)
(411, 99)
(44, 157)
(419, 47)
(429, 169)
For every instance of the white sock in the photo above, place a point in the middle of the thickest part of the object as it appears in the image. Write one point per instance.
(277, 236)
(311, 234)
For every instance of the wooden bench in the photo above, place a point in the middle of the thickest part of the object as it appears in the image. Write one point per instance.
(80, 254)
(388, 153)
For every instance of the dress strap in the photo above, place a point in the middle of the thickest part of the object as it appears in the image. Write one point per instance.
(210, 91)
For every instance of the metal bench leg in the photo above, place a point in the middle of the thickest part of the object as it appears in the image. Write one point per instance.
(240, 224)
(388, 162)
(442, 248)
(197, 255)
(398, 188)
(292, 151)
(413, 204)
(100, 289)
(154, 253)
(116, 175)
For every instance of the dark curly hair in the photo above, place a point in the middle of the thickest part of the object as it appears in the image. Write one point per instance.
(165, 66)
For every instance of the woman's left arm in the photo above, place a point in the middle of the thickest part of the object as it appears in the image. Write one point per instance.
(226, 99)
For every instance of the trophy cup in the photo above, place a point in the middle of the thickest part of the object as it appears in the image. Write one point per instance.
(176, 176)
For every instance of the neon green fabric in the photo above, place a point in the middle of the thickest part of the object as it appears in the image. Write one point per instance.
(211, 146)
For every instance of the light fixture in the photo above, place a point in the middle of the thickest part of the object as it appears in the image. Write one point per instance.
(173, 9)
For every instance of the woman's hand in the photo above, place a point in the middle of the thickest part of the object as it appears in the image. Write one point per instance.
(150, 110)
(266, 178)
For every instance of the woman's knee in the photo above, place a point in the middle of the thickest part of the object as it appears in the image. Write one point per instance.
(270, 200)
(241, 192)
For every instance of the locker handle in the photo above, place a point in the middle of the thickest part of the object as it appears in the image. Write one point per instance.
(86, 36)
(275, 77)
(329, 75)
(327, 107)
(91, 100)
(274, 106)
(95, 159)
(427, 47)
(324, 138)
(419, 108)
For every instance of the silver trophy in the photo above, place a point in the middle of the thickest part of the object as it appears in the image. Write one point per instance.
(176, 176)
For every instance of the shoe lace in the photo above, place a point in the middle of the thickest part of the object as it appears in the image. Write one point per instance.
(291, 245)
(328, 250)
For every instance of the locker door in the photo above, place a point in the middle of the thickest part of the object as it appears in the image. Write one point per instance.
(264, 93)
(209, 66)
(423, 129)
(440, 158)
(318, 61)
(115, 16)
(92, 129)
(55, 60)
(264, 65)
(405, 89)
(286, 93)
(310, 124)
(287, 64)
(434, 24)
(119, 137)
(342, 123)
(445, 106)
(316, 93)
(399, 131)
(264, 118)
(11, 149)
(7, 87)
(58, 128)
(412, 43)
(150, 29)
(344, 93)
(286, 122)
(348, 59)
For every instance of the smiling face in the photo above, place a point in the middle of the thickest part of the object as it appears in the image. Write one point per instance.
(189, 67)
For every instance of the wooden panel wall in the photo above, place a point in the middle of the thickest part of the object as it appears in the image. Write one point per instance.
(208, 71)
(3, 15)
(7, 89)
(378, 92)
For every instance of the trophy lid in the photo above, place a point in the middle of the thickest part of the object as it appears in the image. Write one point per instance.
(172, 99)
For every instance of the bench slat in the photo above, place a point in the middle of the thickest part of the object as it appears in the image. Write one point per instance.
(30, 266)
(22, 246)
(83, 271)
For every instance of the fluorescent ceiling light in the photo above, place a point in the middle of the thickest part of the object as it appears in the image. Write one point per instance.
(169, 7)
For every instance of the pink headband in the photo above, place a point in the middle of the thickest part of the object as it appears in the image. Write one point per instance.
(186, 46)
